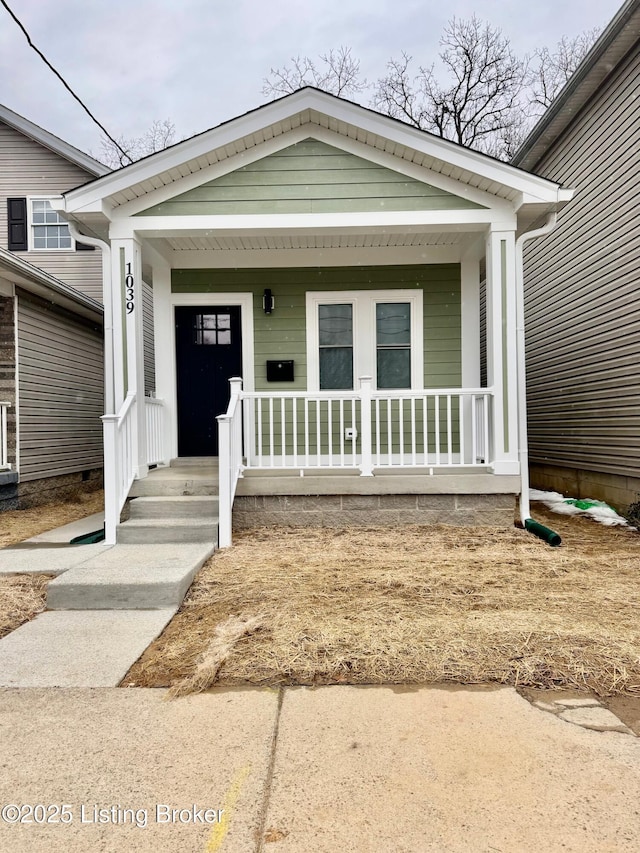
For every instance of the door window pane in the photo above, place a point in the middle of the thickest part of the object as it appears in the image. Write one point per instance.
(335, 327)
(393, 344)
(212, 329)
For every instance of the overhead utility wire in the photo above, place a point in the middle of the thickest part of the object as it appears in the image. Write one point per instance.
(64, 82)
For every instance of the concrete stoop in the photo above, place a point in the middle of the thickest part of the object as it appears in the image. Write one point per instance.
(130, 577)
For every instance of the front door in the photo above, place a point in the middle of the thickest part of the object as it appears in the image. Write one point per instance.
(208, 354)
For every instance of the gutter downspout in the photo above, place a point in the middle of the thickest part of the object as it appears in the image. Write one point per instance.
(528, 523)
(109, 393)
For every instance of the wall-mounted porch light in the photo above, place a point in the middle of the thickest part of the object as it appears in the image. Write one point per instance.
(268, 302)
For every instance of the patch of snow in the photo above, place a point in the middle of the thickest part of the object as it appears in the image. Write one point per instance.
(598, 510)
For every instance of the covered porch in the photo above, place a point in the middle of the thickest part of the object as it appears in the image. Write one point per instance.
(333, 309)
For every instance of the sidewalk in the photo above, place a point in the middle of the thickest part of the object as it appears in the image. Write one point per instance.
(328, 770)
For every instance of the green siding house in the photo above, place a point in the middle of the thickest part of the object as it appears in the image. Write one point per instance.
(313, 272)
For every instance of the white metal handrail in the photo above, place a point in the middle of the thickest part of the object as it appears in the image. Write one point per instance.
(4, 437)
(154, 419)
(119, 469)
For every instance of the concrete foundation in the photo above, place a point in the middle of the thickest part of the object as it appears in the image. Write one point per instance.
(617, 490)
(61, 488)
(372, 510)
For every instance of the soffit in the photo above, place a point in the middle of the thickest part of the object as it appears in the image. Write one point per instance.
(311, 241)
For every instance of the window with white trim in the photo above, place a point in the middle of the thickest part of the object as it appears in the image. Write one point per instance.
(47, 229)
(374, 333)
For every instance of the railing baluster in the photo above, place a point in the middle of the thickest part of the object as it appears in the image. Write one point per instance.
(306, 429)
(283, 440)
(413, 432)
(425, 430)
(294, 413)
(389, 432)
(461, 441)
(401, 428)
(260, 437)
(341, 404)
(474, 445)
(271, 444)
(437, 427)
(354, 455)
(330, 431)
(318, 437)
(449, 431)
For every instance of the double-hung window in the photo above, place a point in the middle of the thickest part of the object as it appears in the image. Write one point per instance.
(351, 334)
(47, 229)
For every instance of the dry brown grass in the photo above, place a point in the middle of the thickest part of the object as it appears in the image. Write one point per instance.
(17, 525)
(417, 604)
(21, 598)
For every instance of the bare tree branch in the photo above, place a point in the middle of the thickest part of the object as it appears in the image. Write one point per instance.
(550, 70)
(338, 73)
(478, 102)
(160, 135)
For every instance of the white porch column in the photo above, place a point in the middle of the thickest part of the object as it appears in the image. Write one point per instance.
(126, 274)
(164, 351)
(501, 349)
(470, 334)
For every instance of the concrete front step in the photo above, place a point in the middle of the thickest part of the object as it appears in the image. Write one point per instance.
(173, 483)
(202, 462)
(129, 577)
(178, 506)
(89, 648)
(156, 531)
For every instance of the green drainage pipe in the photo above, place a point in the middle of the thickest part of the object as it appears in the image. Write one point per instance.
(542, 532)
(88, 538)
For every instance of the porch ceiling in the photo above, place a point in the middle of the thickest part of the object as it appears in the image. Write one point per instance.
(312, 241)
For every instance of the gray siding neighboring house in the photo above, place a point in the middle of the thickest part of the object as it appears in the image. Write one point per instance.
(51, 363)
(582, 282)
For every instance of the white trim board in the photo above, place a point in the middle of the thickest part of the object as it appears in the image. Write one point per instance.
(166, 369)
(301, 107)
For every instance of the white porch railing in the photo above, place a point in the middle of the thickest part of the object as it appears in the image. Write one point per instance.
(154, 414)
(119, 467)
(4, 436)
(230, 461)
(366, 429)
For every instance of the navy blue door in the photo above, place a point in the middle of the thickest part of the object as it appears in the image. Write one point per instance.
(208, 354)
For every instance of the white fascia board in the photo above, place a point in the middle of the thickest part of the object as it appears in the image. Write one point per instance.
(443, 149)
(310, 223)
(288, 108)
(210, 173)
(278, 143)
(178, 154)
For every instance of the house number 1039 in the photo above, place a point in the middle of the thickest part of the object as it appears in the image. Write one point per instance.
(128, 286)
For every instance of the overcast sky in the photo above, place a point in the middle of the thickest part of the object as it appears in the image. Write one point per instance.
(200, 62)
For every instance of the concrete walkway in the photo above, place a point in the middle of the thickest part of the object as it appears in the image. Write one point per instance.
(390, 770)
(106, 606)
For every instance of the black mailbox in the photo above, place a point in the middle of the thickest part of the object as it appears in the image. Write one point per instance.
(280, 371)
